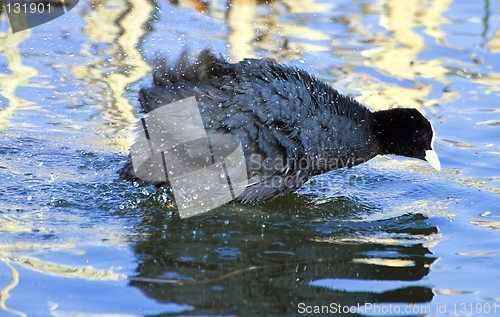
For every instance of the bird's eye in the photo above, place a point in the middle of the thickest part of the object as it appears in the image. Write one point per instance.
(426, 137)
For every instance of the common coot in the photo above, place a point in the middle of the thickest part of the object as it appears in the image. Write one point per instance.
(291, 125)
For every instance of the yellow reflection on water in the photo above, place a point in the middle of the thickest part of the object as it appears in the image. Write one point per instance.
(62, 270)
(494, 43)
(118, 23)
(397, 55)
(7, 224)
(488, 224)
(249, 32)
(5, 292)
(449, 291)
(385, 262)
(9, 47)
(240, 17)
(381, 238)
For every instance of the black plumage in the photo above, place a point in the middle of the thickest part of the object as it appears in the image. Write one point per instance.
(291, 125)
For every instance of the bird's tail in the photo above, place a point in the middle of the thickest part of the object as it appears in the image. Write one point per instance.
(206, 68)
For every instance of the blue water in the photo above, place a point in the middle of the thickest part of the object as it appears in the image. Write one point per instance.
(390, 237)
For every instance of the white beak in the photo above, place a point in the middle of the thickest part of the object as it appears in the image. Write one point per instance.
(433, 159)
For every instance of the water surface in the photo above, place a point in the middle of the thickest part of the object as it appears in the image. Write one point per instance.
(392, 233)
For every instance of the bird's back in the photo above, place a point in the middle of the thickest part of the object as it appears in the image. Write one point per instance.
(291, 125)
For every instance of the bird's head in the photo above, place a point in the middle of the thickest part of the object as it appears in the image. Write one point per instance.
(406, 132)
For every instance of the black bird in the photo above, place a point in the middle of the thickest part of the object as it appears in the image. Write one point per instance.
(291, 125)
